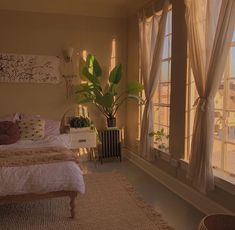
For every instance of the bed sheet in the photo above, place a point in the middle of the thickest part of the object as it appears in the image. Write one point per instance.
(41, 178)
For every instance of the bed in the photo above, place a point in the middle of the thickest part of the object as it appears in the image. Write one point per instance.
(41, 181)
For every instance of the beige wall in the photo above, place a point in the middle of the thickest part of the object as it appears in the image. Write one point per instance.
(132, 75)
(48, 34)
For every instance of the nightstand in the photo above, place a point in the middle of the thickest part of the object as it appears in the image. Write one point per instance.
(83, 139)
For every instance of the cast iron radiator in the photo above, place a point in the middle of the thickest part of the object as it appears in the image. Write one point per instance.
(110, 144)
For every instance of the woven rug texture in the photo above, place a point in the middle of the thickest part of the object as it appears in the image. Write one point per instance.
(110, 203)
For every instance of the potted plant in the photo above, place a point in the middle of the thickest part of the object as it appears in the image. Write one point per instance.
(161, 138)
(79, 123)
(106, 99)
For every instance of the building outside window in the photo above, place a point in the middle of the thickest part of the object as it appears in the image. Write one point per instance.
(223, 157)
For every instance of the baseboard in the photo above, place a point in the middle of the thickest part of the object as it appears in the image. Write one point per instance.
(198, 200)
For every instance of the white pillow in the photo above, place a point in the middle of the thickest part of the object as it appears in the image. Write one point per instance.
(52, 127)
(32, 129)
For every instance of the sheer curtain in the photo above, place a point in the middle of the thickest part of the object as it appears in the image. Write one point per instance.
(210, 25)
(151, 34)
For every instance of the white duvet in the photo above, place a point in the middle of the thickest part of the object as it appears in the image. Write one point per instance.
(41, 178)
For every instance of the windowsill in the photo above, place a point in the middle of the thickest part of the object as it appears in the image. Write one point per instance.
(222, 179)
(183, 164)
(162, 155)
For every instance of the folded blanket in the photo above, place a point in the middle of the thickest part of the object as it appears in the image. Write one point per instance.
(19, 157)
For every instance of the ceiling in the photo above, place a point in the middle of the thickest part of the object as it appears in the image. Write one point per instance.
(100, 8)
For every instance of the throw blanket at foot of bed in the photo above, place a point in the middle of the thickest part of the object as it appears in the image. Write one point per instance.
(12, 158)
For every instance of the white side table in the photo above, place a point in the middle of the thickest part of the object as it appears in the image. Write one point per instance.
(83, 139)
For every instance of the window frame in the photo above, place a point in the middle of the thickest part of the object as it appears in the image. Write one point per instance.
(158, 105)
(224, 111)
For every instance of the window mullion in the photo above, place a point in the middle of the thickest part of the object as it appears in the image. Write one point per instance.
(225, 106)
(189, 107)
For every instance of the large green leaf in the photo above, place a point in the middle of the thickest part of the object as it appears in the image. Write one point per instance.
(93, 65)
(96, 68)
(137, 98)
(84, 87)
(105, 100)
(112, 89)
(89, 59)
(134, 87)
(116, 74)
(93, 79)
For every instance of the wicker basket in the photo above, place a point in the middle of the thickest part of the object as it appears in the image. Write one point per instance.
(218, 222)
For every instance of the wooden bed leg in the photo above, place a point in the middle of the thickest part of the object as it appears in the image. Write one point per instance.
(72, 205)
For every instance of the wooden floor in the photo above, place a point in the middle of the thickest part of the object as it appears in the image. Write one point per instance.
(177, 212)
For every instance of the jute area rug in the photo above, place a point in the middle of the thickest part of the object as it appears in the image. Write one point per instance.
(110, 203)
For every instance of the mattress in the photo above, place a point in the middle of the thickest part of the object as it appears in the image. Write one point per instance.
(41, 178)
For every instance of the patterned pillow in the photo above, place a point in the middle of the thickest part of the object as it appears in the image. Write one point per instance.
(32, 129)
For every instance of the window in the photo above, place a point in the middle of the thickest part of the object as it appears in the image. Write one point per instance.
(162, 94)
(223, 157)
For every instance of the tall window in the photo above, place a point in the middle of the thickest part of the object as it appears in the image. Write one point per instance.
(162, 94)
(224, 125)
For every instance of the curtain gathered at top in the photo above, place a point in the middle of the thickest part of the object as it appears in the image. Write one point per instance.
(210, 25)
(151, 37)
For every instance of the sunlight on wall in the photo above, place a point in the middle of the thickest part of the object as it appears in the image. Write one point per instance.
(82, 57)
(113, 56)
(84, 54)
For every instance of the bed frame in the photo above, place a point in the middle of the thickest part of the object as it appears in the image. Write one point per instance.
(32, 197)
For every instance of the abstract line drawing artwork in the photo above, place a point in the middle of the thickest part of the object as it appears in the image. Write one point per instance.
(29, 68)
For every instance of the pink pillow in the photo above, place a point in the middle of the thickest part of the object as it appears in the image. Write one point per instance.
(52, 128)
(9, 132)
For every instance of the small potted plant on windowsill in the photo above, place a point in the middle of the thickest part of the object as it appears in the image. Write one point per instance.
(106, 99)
(80, 123)
(161, 139)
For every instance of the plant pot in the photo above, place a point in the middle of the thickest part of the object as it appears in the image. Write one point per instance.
(111, 122)
(77, 130)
